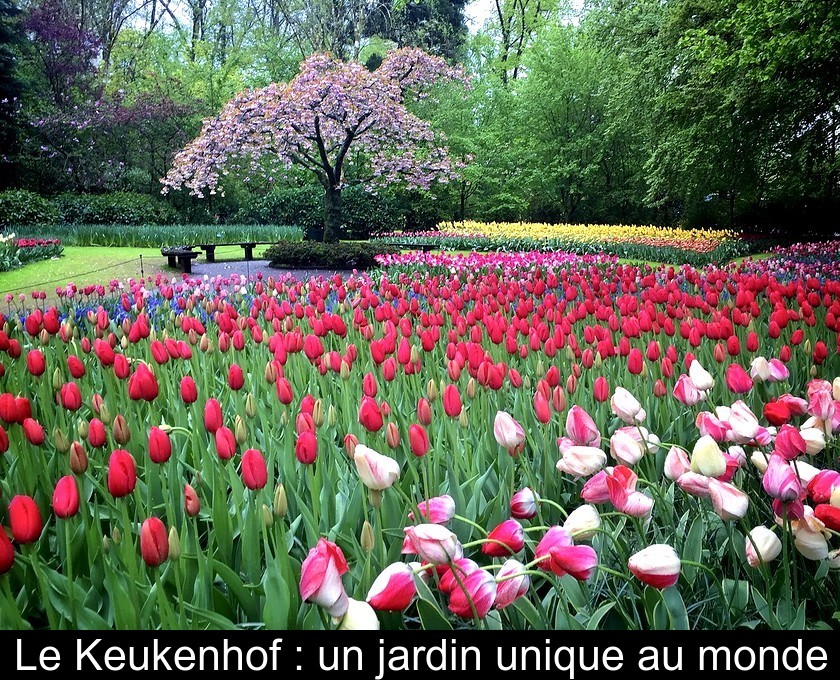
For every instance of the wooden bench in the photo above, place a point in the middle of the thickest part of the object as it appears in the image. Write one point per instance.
(179, 256)
(248, 246)
(425, 247)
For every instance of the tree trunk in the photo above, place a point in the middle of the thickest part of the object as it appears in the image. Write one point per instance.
(332, 214)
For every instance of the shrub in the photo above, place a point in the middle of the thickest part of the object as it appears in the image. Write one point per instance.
(341, 255)
(22, 208)
(119, 207)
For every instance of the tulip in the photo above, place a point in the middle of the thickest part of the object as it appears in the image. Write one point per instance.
(811, 544)
(583, 522)
(762, 545)
(743, 423)
(120, 430)
(686, 391)
(418, 440)
(821, 486)
(33, 431)
(729, 502)
(160, 447)
(25, 520)
(376, 471)
(621, 488)
(122, 473)
(790, 443)
(370, 415)
(710, 425)
(676, 463)
(737, 379)
(452, 401)
(581, 461)
(814, 439)
(581, 429)
(254, 471)
(626, 407)
(96, 433)
(508, 433)
(65, 500)
(707, 459)
(601, 389)
(35, 362)
(780, 480)
(511, 583)
(192, 505)
(284, 391)
(306, 447)
(225, 443)
(392, 436)
(424, 412)
(778, 371)
(7, 552)
(777, 412)
(477, 596)
(142, 384)
(438, 510)
(828, 515)
(4, 440)
(701, 378)
(557, 553)
(523, 504)
(154, 542)
(760, 369)
(508, 538)
(694, 484)
(461, 568)
(433, 543)
(320, 578)
(657, 566)
(394, 589)
(625, 449)
(212, 415)
(359, 616)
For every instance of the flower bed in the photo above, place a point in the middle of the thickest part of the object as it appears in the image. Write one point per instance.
(511, 440)
(16, 252)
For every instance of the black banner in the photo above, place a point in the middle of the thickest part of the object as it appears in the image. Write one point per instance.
(379, 655)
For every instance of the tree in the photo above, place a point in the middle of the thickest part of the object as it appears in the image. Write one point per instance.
(10, 86)
(436, 26)
(335, 119)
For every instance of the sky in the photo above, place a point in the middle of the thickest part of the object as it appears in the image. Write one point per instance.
(479, 10)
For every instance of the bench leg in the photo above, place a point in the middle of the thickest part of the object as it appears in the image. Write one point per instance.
(172, 262)
(186, 265)
(211, 253)
(249, 253)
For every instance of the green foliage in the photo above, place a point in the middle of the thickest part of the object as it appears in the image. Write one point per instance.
(319, 255)
(155, 236)
(22, 208)
(119, 207)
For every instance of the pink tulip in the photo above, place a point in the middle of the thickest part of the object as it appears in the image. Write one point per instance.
(438, 510)
(728, 501)
(508, 538)
(509, 433)
(523, 504)
(686, 392)
(581, 429)
(621, 486)
(737, 379)
(778, 371)
(789, 443)
(626, 407)
(376, 471)
(694, 484)
(462, 567)
(511, 583)
(657, 566)
(320, 578)
(676, 463)
(625, 449)
(780, 480)
(433, 543)
(821, 486)
(477, 596)
(710, 425)
(394, 588)
(558, 554)
(581, 461)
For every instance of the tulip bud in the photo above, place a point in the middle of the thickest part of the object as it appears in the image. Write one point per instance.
(471, 388)
(281, 505)
(431, 391)
(174, 545)
(121, 432)
(463, 421)
(106, 545)
(332, 416)
(367, 539)
(154, 542)
(240, 432)
(105, 414)
(57, 380)
(116, 535)
(318, 413)
(250, 406)
(267, 516)
(78, 459)
(62, 443)
(350, 443)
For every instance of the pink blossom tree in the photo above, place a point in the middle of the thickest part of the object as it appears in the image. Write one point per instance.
(336, 119)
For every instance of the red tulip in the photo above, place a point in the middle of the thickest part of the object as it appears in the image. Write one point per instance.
(142, 384)
(225, 443)
(601, 390)
(369, 386)
(452, 401)
(657, 566)
(523, 504)
(789, 442)
(122, 473)
(418, 439)
(189, 392)
(25, 519)
(76, 367)
(7, 552)
(777, 413)
(828, 515)
(254, 472)
(821, 486)
(306, 447)
(212, 415)
(635, 361)
(507, 539)
(96, 433)
(235, 378)
(192, 505)
(8, 408)
(35, 362)
(320, 578)
(370, 416)
(70, 397)
(33, 431)
(65, 500)
(154, 542)
(160, 447)
(424, 412)
(477, 596)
